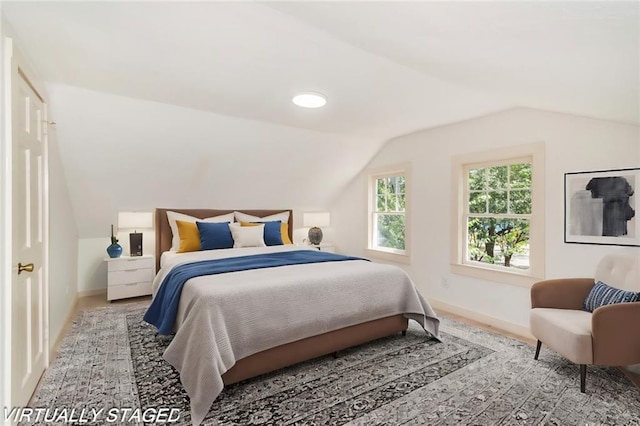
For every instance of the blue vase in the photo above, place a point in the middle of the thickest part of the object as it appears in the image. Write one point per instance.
(114, 250)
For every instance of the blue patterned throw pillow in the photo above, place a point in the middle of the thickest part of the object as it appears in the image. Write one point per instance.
(602, 294)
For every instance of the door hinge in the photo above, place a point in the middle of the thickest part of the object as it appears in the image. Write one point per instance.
(47, 123)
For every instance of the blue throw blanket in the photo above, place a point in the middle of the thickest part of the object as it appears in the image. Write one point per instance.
(164, 308)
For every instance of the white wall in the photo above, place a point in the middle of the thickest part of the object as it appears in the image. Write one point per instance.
(572, 144)
(63, 244)
(125, 154)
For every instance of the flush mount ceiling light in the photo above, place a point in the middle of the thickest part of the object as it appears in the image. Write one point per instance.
(310, 100)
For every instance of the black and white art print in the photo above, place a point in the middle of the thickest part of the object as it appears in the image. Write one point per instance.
(602, 207)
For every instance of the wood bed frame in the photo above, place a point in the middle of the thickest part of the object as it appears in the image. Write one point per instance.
(291, 353)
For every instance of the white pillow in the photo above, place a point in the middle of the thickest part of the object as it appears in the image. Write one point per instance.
(173, 216)
(243, 217)
(247, 236)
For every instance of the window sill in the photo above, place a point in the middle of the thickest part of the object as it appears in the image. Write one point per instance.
(388, 256)
(495, 275)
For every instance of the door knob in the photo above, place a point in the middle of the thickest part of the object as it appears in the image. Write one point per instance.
(25, 268)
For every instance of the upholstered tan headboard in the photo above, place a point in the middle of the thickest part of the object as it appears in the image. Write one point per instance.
(163, 230)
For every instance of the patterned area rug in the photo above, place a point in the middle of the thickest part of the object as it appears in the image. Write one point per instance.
(113, 359)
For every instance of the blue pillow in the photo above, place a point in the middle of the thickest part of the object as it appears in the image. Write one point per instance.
(273, 233)
(602, 294)
(214, 236)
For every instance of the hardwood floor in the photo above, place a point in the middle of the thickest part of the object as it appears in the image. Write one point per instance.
(99, 301)
(484, 326)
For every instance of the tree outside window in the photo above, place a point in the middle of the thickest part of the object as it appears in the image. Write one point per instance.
(389, 225)
(499, 214)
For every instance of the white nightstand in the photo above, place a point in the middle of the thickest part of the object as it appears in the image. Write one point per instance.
(129, 276)
(328, 247)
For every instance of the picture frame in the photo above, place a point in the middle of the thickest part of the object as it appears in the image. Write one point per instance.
(602, 207)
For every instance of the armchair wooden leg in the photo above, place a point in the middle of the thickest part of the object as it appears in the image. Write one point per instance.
(538, 346)
(583, 377)
(404, 333)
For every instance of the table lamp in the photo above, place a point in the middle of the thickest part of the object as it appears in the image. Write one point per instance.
(135, 221)
(315, 221)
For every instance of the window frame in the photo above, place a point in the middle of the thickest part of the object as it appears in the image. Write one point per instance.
(382, 253)
(461, 164)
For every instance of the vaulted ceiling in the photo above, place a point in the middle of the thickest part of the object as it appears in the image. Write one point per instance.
(188, 104)
(388, 68)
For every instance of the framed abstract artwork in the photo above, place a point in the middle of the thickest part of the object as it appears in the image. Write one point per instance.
(602, 207)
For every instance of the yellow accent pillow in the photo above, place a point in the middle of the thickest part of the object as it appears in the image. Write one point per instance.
(189, 236)
(284, 230)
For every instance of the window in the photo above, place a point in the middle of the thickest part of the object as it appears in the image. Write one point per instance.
(388, 219)
(499, 234)
(498, 212)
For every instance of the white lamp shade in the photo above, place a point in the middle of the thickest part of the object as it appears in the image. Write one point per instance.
(135, 220)
(316, 219)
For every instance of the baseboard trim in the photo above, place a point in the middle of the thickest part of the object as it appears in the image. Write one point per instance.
(63, 331)
(494, 322)
(87, 293)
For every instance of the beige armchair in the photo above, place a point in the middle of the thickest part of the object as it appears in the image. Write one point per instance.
(608, 336)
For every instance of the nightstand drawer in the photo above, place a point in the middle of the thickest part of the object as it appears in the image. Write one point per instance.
(130, 263)
(129, 276)
(128, 290)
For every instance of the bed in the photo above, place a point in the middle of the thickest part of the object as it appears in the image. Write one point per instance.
(229, 327)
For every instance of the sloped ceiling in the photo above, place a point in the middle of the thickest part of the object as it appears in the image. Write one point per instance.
(388, 68)
(124, 154)
(575, 57)
(228, 70)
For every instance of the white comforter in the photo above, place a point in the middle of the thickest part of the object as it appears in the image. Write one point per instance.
(224, 318)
